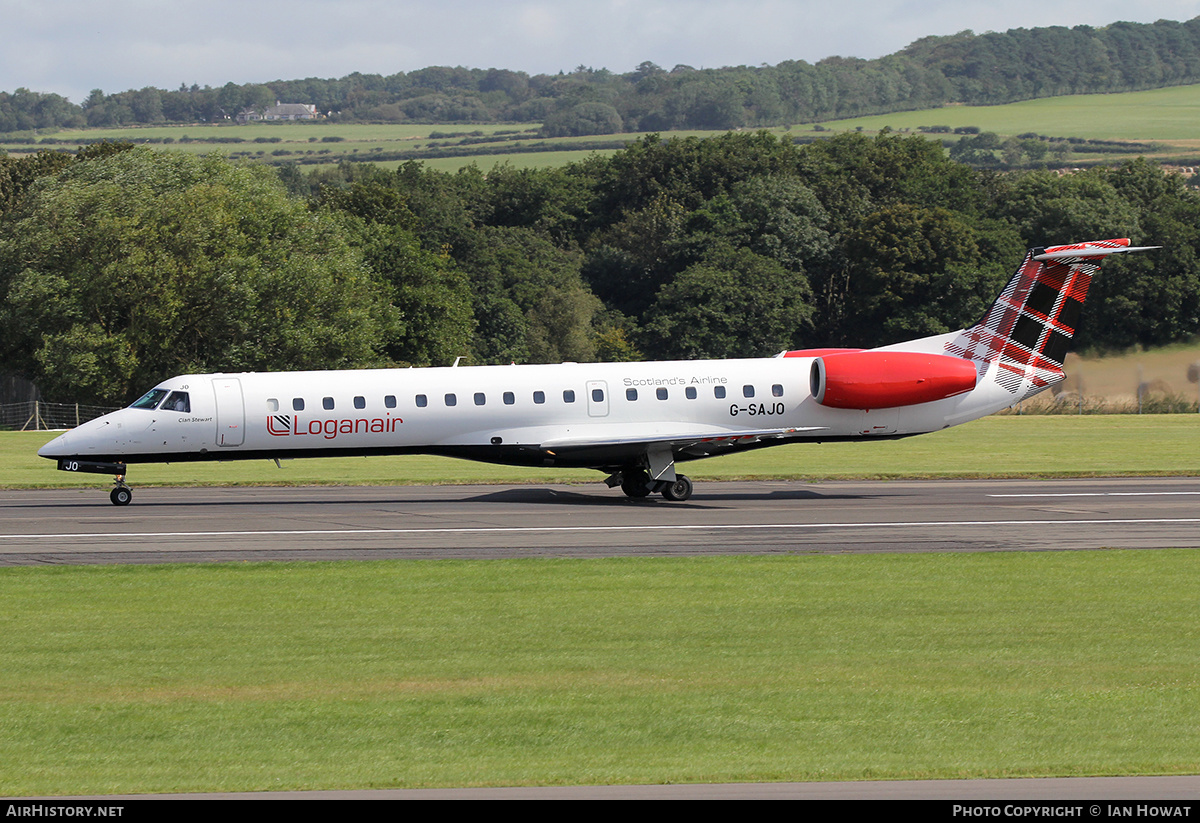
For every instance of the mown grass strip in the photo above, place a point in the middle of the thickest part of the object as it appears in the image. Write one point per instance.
(635, 670)
(1004, 446)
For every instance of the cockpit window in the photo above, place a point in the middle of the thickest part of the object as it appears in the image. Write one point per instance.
(150, 399)
(178, 402)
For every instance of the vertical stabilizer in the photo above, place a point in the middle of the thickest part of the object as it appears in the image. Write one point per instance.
(1028, 330)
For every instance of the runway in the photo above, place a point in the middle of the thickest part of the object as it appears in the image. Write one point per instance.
(165, 525)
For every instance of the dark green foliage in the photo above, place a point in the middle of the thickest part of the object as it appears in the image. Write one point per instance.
(849, 241)
(17, 175)
(1153, 299)
(532, 305)
(914, 272)
(584, 118)
(123, 270)
(733, 304)
(431, 298)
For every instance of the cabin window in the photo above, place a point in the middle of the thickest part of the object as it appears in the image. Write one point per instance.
(390, 401)
(690, 392)
(509, 398)
(777, 390)
(568, 395)
(480, 398)
(661, 393)
(422, 401)
(360, 402)
(747, 391)
(539, 397)
(177, 401)
(272, 404)
(297, 404)
(598, 395)
(631, 394)
(451, 400)
(327, 403)
(719, 392)
(150, 399)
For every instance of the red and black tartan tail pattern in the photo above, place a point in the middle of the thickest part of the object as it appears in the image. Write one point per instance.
(1029, 327)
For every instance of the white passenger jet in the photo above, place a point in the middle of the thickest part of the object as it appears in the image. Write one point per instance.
(632, 421)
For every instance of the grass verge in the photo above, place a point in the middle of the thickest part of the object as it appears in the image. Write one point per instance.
(633, 670)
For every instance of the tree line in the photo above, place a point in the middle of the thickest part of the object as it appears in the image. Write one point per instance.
(965, 68)
(124, 265)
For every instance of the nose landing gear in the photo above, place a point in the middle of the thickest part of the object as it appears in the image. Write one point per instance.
(121, 495)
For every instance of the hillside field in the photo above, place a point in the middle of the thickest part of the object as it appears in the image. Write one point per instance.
(1169, 118)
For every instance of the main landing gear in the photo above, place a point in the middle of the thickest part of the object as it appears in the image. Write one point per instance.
(678, 491)
(636, 484)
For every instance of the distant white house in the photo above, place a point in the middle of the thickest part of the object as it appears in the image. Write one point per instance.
(291, 111)
(280, 111)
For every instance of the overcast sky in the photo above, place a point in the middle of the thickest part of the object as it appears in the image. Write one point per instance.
(73, 46)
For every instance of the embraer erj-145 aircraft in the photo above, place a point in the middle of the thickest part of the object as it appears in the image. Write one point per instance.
(633, 421)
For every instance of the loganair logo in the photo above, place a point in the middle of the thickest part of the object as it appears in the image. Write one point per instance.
(287, 425)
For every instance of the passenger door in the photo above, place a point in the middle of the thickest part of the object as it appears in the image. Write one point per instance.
(231, 411)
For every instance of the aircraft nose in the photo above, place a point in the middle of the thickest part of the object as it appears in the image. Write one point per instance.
(58, 447)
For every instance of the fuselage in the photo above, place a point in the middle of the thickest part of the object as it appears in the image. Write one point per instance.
(595, 415)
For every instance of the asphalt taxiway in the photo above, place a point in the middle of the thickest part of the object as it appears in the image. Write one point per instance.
(80, 526)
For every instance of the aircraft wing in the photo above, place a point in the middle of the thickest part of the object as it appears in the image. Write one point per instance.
(685, 443)
(679, 440)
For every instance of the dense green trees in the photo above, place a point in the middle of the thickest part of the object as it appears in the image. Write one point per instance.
(735, 303)
(122, 270)
(121, 266)
(848, 241)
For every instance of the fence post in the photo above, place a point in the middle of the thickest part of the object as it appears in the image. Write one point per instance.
(76, 415)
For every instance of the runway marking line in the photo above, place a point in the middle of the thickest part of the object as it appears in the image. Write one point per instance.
(1092, 494)
(525, 529)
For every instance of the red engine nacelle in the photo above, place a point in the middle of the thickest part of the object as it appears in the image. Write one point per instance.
(886, 379)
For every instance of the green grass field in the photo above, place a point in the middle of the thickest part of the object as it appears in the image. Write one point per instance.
(251, 677)
(1003, 446)
(1170, 114)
